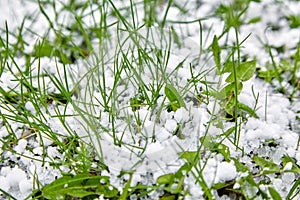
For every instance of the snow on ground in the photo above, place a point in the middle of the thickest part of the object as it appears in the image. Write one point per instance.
(277, 115)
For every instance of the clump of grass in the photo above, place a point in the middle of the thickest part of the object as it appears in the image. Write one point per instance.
(92, 78)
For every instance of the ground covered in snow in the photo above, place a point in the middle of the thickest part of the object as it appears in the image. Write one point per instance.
(137, 100)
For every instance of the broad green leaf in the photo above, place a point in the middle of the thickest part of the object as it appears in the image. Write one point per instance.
(210, 143)
(274, 194)
(268, 73)
(46, 49)
(219, 186)
(228, 67)
(229, 106)
(174, 97)
(217, 53)
(244, 72)
(294, 21)
(295, 169)
(165, 179)
(220, 95)
(268, 166)
(178, 132)
(79, 186)
(168, 197)
(230, 89)
(183, 170)
(189, 156)
(222, 149)
(207, 141)
(80, 193)
(285, 65)
(247, 109)
(228, 132)
(227, 91)
(239, 166)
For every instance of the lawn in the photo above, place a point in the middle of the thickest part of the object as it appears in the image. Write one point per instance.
(150, 99)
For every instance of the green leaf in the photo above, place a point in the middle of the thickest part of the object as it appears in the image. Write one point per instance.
(285, 65)
(240, 167)
(228, 67)
(210, 143)
(126, 188)
(217, 53)
(229, 106)
(295, 169)
(183, 170)
(79, 186)
(46, 49)
(248, 110)
(165, 179)
(207, 141)
(80, 193)
(274, 194)
(168, 197)
(176, 38)
(219, 186)
(294, 188)
(178, 132)
(254, 20)
(222, 149)
(174, 97)
(268, 166)
(244, 72)
(189, 156)
(229, 89)
(294, 21)
(228, 132)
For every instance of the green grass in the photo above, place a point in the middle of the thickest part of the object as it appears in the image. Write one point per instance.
(103, 38)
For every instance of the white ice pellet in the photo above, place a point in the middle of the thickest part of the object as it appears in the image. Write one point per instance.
(162, 135)
(25, 186)
(209, 171)
(277, 184)
(46, 141)
(15, 176)
(289, 177)
(30, 107)
(53, 152)
(5, 171)
(3, 132)
(153, 147)
(4, 184)
(290, 139)
(181, 115)
(38, 150)
(171, 125)
(149, 128)
(26, 158)
(143, 113)
(226, 171)
(20, 148)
